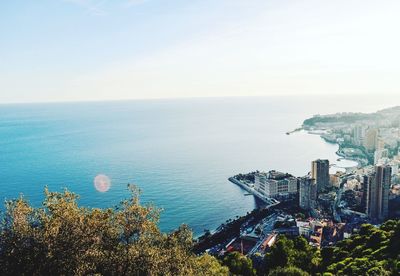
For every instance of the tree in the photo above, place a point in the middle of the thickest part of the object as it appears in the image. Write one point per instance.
(62, 238)
(373, 251)
(292, 252)
(288, 271)
(326, 255)
(239, 264)
(280, 254)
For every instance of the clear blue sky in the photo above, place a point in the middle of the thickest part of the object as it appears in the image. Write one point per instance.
(62, 50)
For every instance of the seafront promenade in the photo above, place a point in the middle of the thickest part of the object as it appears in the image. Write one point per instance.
(249, 188)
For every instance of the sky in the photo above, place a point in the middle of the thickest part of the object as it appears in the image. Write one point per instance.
(78, 50)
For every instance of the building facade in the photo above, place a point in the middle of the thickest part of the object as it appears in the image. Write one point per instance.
(376, 188)
(307, 193)
(273, 184)
(320, 174)
(380, 154)
(371, 139)
(359, 135)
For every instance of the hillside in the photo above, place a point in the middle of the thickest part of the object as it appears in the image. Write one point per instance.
(373, 251)
(389, 114)
(62, 238)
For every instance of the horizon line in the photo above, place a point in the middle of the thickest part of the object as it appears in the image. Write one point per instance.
(184, 98)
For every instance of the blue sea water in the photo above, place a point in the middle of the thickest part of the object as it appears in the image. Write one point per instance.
(179, 152)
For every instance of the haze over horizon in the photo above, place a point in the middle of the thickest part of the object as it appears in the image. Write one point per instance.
(79, 50)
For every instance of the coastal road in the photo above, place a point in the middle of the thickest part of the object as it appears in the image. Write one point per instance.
(268, 226)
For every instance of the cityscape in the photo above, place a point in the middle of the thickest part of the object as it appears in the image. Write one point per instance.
(200, 138)
(325, 206)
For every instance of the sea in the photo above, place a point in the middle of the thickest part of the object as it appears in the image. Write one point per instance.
(179, 152)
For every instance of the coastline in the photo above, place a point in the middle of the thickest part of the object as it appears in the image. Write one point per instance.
(251, 190)
(342, 156)
(341, 151)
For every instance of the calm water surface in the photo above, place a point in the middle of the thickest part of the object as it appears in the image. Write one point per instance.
(179, 152)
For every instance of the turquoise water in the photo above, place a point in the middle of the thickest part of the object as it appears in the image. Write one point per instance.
(179, 152)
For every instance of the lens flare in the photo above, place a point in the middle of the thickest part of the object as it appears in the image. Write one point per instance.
(102, 183)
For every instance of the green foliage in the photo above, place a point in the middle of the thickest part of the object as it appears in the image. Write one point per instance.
(288, 271)
(348, 118)
(62, 238)
(373, 251)
(296, 252)
(239, 264)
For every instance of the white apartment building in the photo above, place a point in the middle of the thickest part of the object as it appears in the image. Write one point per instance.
(270, 187)
(380, 154)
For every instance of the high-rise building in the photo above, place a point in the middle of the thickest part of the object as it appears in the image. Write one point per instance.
(371, 139)
(368, 182)
(320, 174)
(376, 188)
(380, 144)
(359, 134)
(384, 180)
(307, 193)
